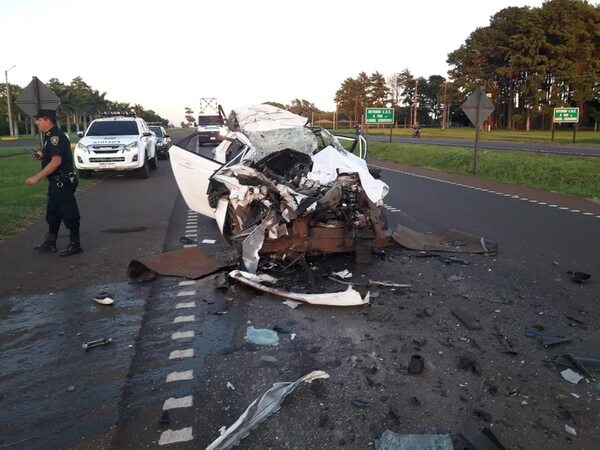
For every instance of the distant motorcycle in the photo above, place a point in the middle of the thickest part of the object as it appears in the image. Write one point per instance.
(416, 132)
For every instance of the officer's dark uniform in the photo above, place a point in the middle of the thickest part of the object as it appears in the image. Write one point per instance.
(62, 183)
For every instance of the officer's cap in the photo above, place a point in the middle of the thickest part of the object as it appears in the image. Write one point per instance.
(46, 113)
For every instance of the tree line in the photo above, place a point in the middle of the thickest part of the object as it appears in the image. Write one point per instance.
(79, 105)
(529, 60)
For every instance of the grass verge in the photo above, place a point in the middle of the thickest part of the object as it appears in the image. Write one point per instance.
(570, 175)
(21, 204)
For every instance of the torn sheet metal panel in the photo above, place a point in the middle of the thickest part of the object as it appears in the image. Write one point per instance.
(187, 262)
(193, 173)
(454, 241)
(350, 297)
(259, 410)
(265, 117)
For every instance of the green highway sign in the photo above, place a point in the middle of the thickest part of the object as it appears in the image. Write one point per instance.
(374, 116)
(566, 115)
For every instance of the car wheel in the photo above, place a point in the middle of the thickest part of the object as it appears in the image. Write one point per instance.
(84, 173)
(144, 171)
(154, 162)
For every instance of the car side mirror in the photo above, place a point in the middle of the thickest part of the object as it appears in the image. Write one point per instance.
(80, 134)
(147, 134)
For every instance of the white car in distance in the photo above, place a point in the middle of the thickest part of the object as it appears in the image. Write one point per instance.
(114, 144)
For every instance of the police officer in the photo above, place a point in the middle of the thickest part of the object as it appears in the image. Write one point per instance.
(57, 167)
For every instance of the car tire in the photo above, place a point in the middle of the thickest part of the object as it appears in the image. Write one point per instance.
(153, 162)
(84, 173)
(144, 171)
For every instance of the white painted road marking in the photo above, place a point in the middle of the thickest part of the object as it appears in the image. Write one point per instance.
(181, 319)
(185, 305)
(180, 376)
(182, 402)
(189, 245)
(185, 293)
(186, 283)
(173, 436)
(182, 335)
(181, 354)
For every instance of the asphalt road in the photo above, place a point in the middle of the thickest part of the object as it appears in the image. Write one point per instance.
(127, 395)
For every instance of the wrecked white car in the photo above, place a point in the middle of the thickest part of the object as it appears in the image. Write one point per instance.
(276, 185)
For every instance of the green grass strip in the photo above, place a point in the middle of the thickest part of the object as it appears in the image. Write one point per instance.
(570, 175)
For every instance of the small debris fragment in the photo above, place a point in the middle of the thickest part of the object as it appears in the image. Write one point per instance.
(208, 241)
(579, 277)
(230, 386)
(270, 360)
(104, 298)
(186, 240)
(454, 278)
(91, 344)
(343, 274)
(70, 389)
(467, 319)
(392, 441)
(571, 376)
(415, 366)
(530, 333)
(262, 336)
(360, 403)
(292, 304)
(570, 430)
(551, 341)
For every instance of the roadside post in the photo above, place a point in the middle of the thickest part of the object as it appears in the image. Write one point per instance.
(477, 108)
(565, 115)
(35, 96)
(375, 116)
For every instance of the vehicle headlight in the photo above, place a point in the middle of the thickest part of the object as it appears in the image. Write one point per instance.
(223, 131)
(132, 146)
(81, 147)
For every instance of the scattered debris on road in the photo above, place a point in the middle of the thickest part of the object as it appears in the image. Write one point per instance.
(104, 298)
(91, 344)
(395, 441)
(579, 277)
(259, 410)
(262, 336)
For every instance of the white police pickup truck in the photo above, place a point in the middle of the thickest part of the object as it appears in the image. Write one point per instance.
(116, 143)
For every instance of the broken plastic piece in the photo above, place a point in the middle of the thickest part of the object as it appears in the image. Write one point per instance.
(104, 298)
(343, 274)
(262, 336)
(571, 376)
(550, 341)
(393, 441)
(579, 277)
(349, 297)
(570, 430)
(292, 304)
(360, 403)
(87, 345)
(581, 363)
(230, 386)
(259, 410)
(530, 333)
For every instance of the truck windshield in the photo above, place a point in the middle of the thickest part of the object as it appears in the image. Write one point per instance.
(210, 120)
(113, 128)
(157, 131)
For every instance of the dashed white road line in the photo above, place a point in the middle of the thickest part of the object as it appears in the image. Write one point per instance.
(173, 436)
(182, 335)
(182, 319)
(475, 188)
(181, 402)
(185, 305)
(185, 293)
(186, 283)
(180, 376)
(181, 354)
(190, 245)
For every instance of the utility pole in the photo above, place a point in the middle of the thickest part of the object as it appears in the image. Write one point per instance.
(10, 123)
(444, 111)
(415, 103)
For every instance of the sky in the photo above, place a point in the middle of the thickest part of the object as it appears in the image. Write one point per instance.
(166, 55)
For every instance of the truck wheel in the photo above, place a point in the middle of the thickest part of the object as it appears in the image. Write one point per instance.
(84, 173)
(153, 163)
(144, 171)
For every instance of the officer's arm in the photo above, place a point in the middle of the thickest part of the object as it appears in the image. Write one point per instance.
(54, 164)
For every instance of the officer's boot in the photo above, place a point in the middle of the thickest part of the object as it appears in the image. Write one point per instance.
(74, 246)
(49, 244)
